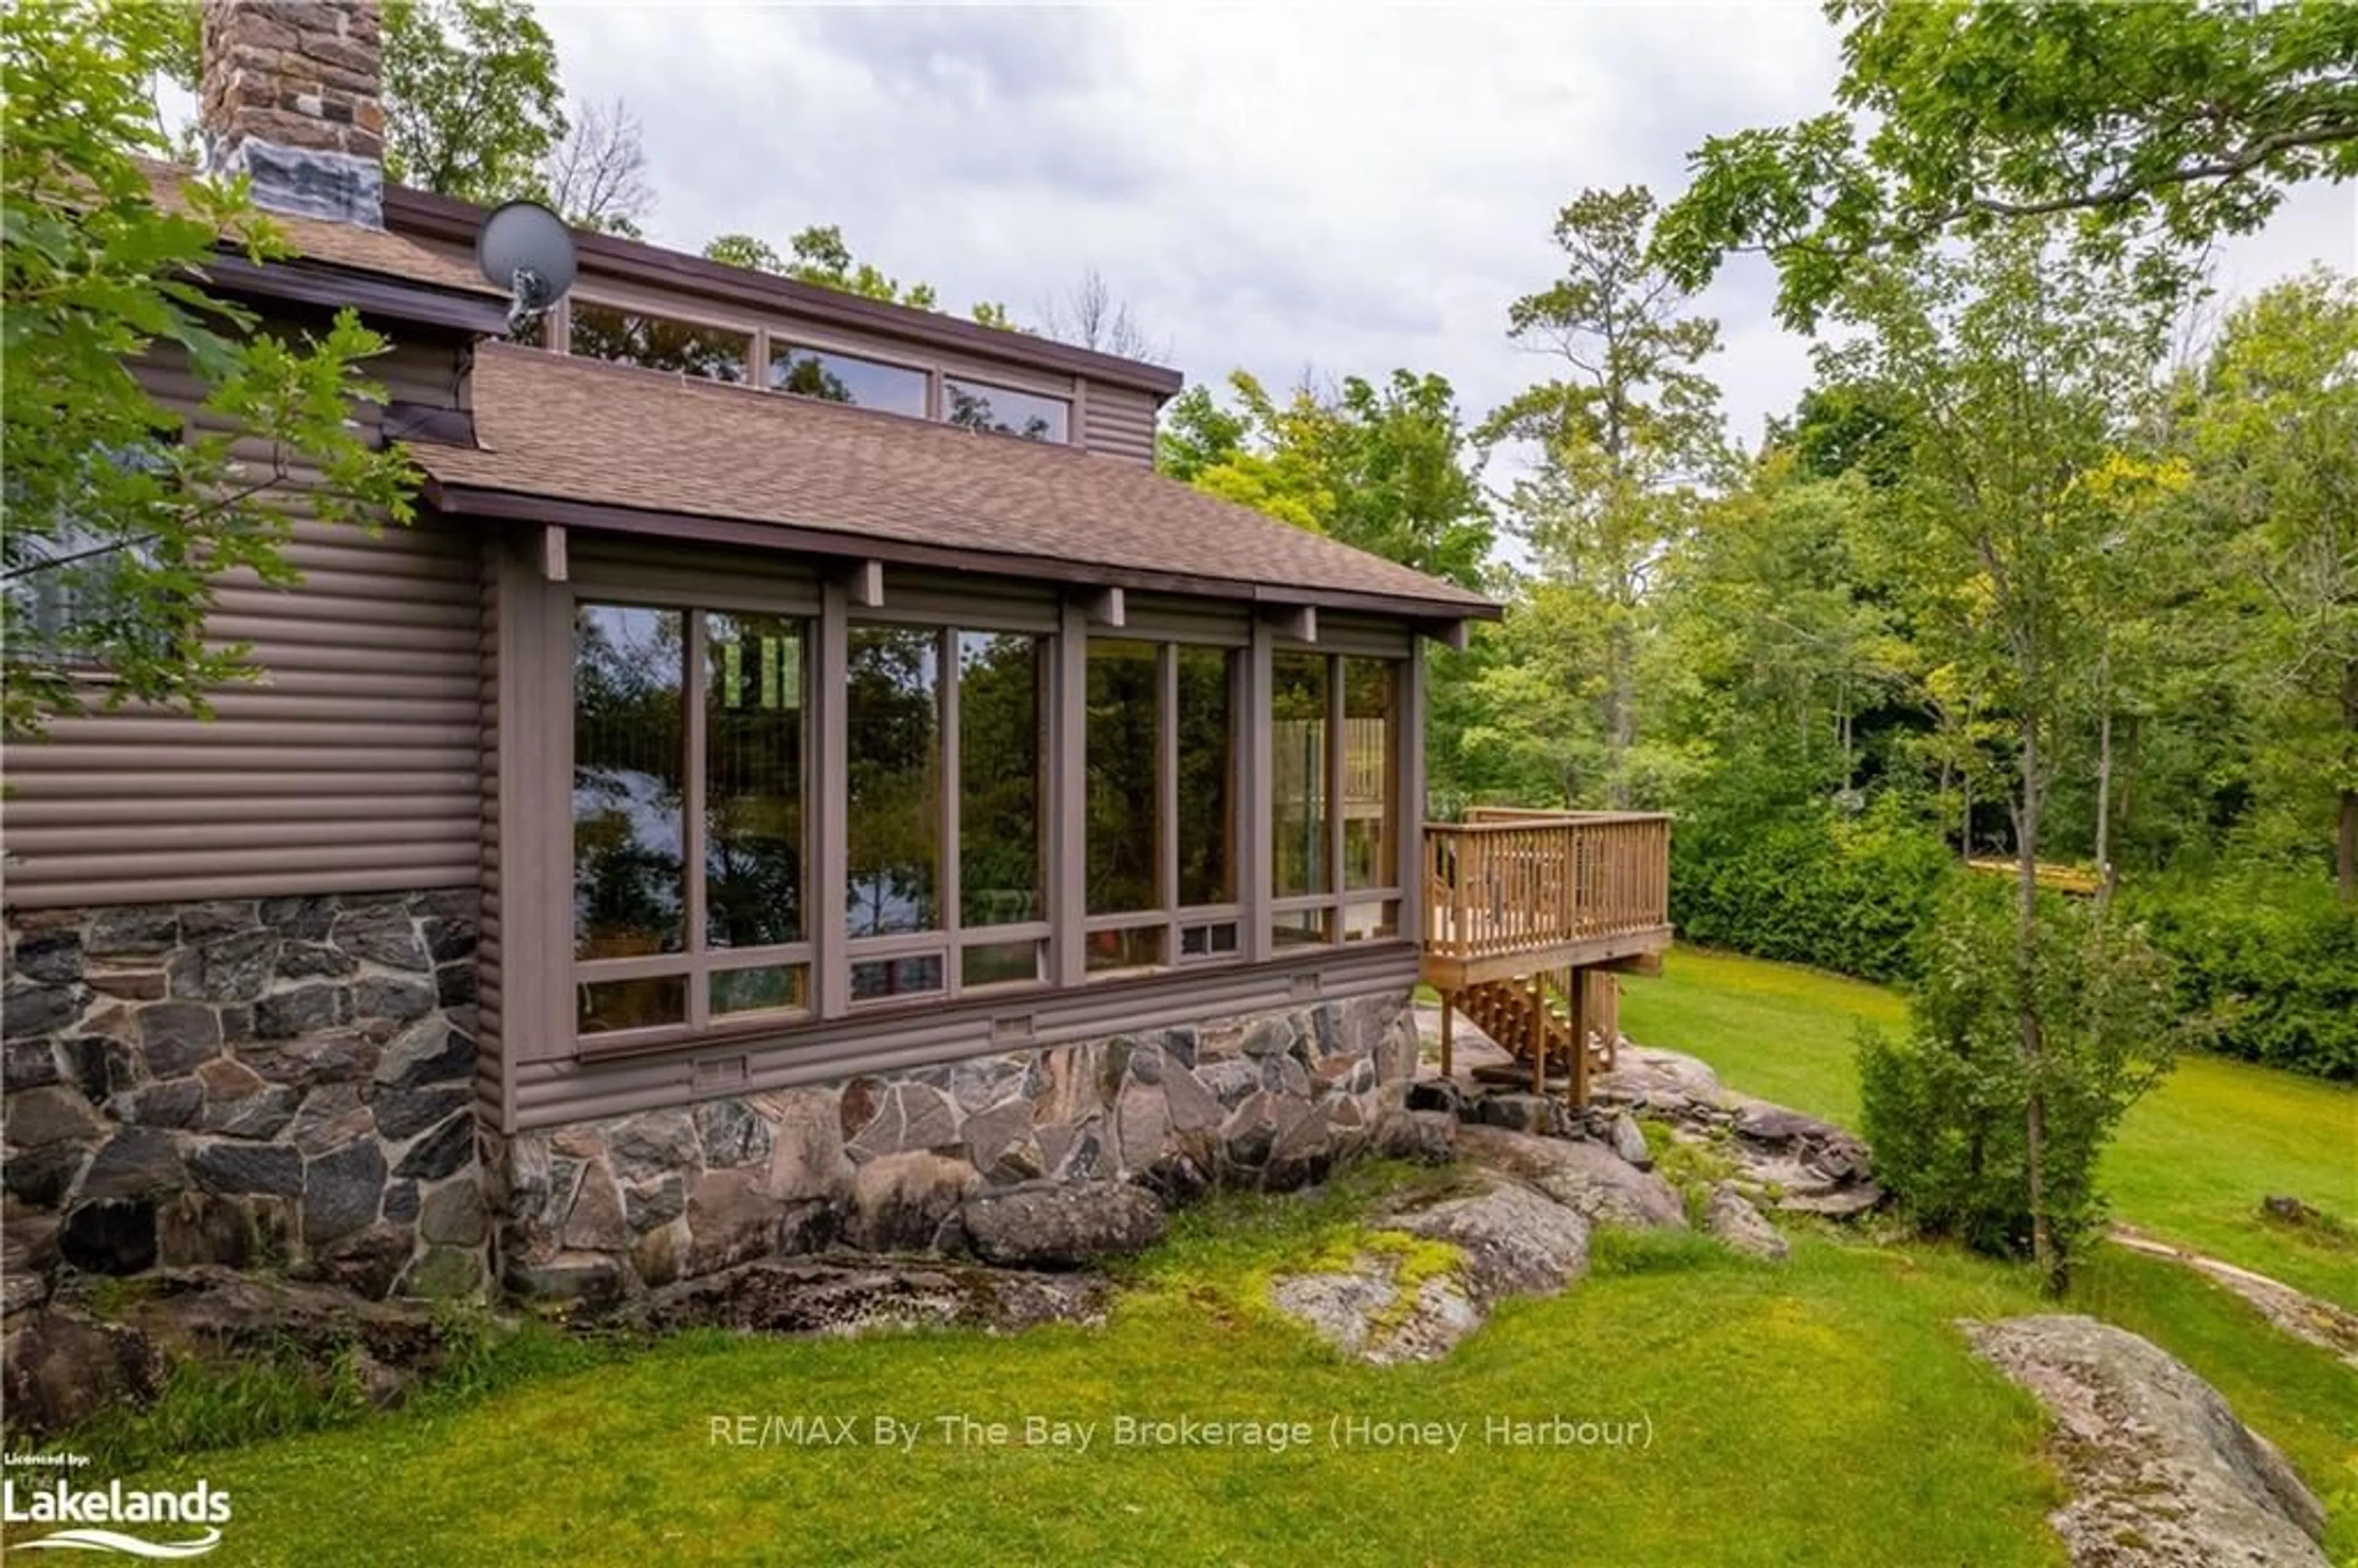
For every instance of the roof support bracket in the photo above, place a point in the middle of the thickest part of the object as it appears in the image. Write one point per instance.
(548, 553)
(1299, 621)
(1107, 606)
(1451, 635)
(863, 583)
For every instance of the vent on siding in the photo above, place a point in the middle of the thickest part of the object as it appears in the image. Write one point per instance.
(1013, 1029)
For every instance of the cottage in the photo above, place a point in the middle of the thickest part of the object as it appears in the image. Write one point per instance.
(802, 766)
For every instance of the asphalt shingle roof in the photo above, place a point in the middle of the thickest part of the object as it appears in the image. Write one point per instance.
(348, 246)
(576, 430)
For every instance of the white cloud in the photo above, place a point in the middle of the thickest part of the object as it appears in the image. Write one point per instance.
(1272, 188)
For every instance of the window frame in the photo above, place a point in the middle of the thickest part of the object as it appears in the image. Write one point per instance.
(698, 960)
(756, 362)
(826, 598)
(1172, 919)
(952, 939)
(985, 383)
(40, 648)
(773, 338)
(1339, 898)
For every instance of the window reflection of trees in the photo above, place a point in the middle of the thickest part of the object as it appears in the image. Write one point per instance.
(1000, 757)
(893, 781)
(658, 342)
(847, 378)
(754, 781)
(1124, 744)
(628, 783)
(1001, 411)
(1207, 778)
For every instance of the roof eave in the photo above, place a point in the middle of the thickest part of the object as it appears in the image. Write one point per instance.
(299, 281)
(508, 506)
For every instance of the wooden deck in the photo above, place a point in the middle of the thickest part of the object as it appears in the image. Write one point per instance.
(1530, 919)
(1512, 893)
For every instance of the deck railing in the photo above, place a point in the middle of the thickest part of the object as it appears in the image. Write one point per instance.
(1508, 880)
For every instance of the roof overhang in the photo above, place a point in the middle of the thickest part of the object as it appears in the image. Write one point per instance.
(380, 298)
(1436, 619)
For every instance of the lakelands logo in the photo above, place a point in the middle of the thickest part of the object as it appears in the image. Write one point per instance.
(89, 1511)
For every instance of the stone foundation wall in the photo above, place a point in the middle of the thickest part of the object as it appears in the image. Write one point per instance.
(279, 1085)
(599, 1212)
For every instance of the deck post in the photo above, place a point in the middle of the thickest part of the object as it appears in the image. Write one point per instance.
(1535, 1020)
(1448, 1016)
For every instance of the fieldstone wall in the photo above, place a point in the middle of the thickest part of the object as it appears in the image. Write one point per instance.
(279, 1085)
(601, 1212)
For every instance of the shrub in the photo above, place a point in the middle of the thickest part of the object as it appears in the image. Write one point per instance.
(1946, 1107)
(2267, 960)
(1812, 886)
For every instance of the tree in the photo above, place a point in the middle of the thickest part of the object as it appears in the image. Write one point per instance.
(818, 255)
(596, 176)
(745, 251)
(1948, 1108)
(1382, 467)
(2163, 125)
(472, 106)
(2021, 373)
(1089, 316)
(1781, 647)
(1623, 438)
(2274, 435)
(119, 520)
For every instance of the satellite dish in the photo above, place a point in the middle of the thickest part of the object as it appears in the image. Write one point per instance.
(527, 249)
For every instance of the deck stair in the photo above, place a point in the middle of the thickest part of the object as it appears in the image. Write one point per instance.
(1532, 1019)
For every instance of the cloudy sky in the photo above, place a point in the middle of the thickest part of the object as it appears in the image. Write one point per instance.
(1347, 189)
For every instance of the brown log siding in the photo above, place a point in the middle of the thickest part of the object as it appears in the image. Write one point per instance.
(353, 763)
(1119, 422)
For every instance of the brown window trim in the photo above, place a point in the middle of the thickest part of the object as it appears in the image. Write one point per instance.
(981, 1006)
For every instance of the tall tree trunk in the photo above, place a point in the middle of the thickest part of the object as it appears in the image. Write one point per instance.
(1621, 722)
(2345, 856)
(2034, 1042)
(2105, 787)
(1850, 762)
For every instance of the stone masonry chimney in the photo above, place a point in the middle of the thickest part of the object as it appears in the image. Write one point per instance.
(290, 95)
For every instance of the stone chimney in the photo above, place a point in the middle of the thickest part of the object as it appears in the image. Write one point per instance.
(290, 94)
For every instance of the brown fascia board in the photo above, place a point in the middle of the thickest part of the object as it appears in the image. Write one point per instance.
(372, 295)
(423, 212)
(472, 500)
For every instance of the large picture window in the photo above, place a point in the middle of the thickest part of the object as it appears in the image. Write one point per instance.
(944, 796)
(690, 785)
(1161, 833)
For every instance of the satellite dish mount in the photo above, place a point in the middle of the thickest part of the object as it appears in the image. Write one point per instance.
(527, 249)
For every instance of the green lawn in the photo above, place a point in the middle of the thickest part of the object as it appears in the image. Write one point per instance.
(1824, 1411)
(1790, 1410)
(2193, 1159)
